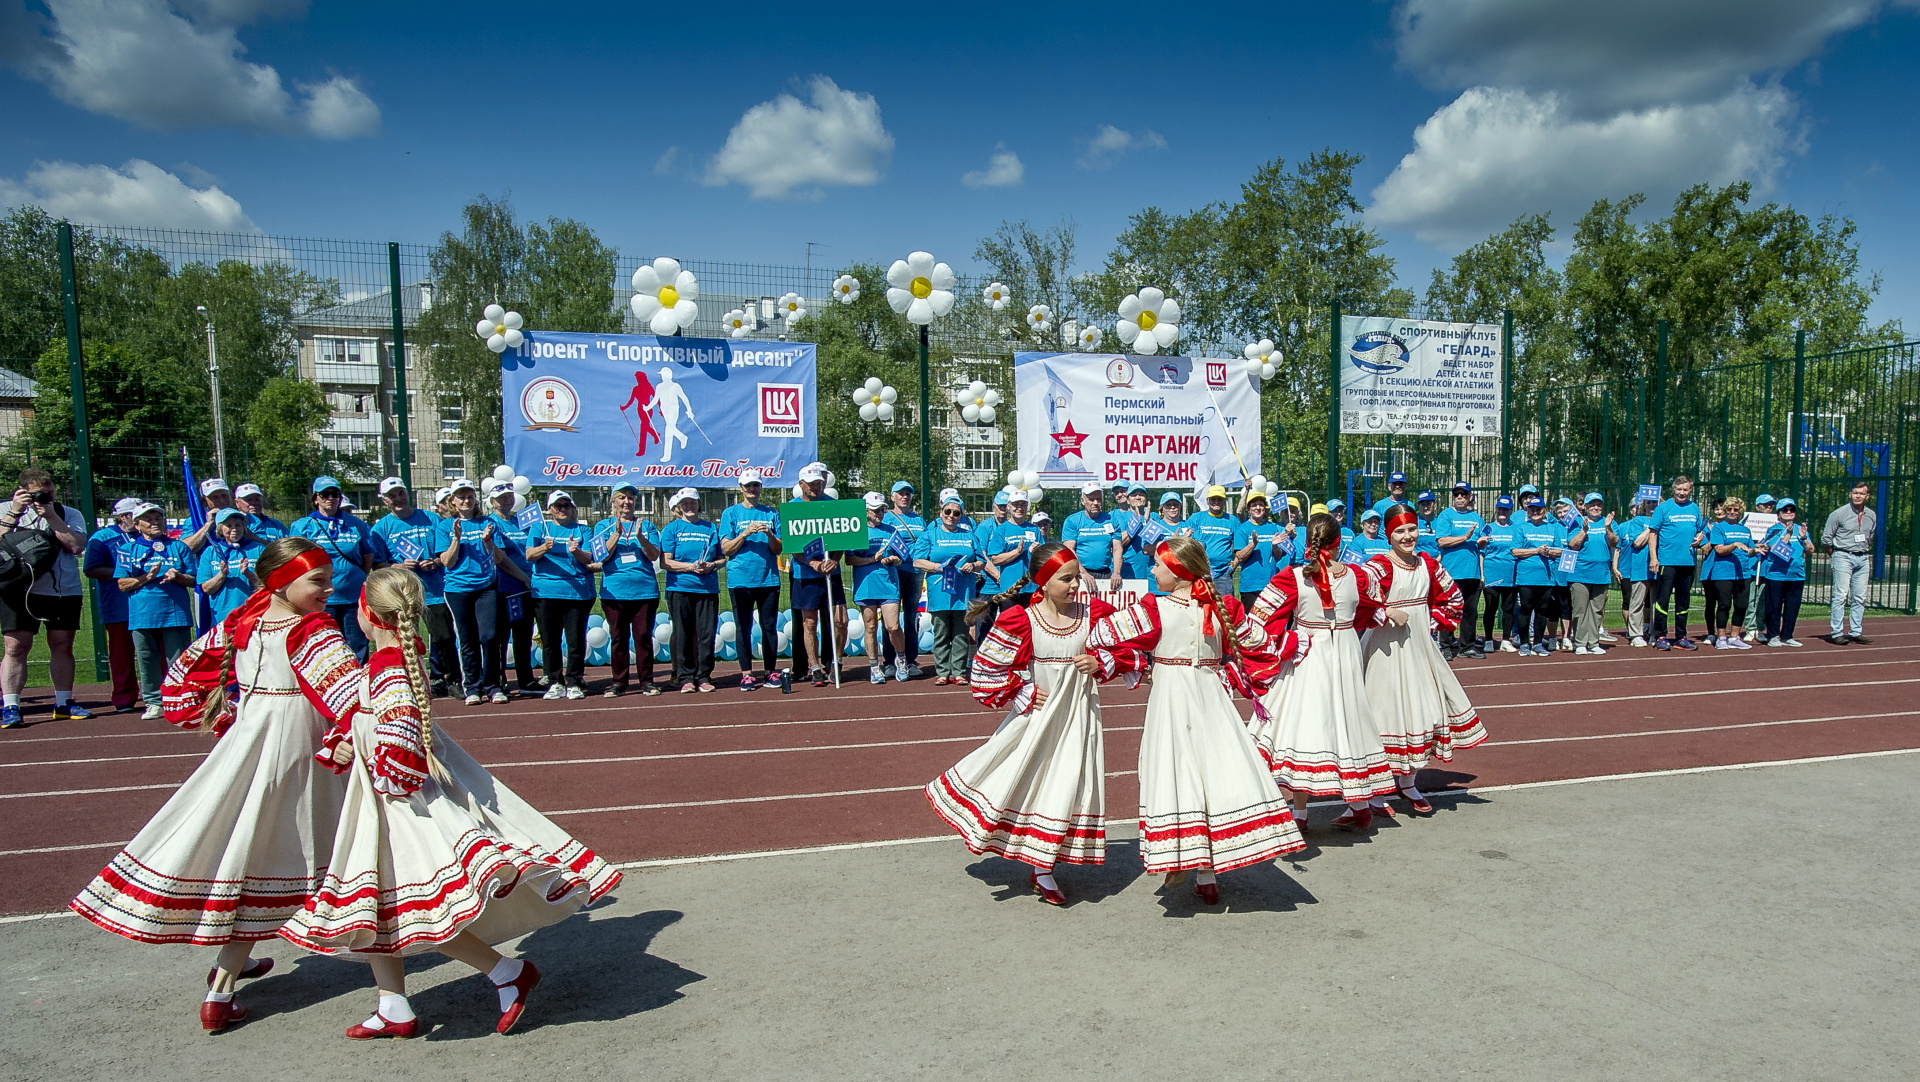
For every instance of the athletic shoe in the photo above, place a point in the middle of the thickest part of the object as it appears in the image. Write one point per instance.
(900, 673)
(688, 688)
(1775, 641)
(153, 713)
(1581, 651)
(913, 670)
(613, 692)
(1715, 641)
(1794, 642)
(1740, 644)
(706, 687)
(1662, 644)
(1861, 639)
(500, 696)
(1448, 651)
(1608, 639)
(473, 700)
(876, 674)
(747, 682)
(1476, 653)
(10, 717)
(555, 692)
(1507, 646)
(1685, 643)
(650, 689)
(71, 711)
(1638, 640)
(1566, 646)
(820, 678)
(1751, 636)
(1837, 640)
(575, 692)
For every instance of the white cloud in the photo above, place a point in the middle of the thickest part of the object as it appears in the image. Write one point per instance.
(1493, 154)
(784, 144)
(1109, 143)
(1003, 171)
(142, 62)
(139, 193)
(668, 160)
(240, 12)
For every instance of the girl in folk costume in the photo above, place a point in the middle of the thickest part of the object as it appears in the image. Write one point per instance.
(1316, 728)
(1206, 802)
(432, 852)
(235, 851)
(1421, 710)
(1036, 790)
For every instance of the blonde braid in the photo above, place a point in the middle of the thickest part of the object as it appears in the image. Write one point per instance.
(395, 595)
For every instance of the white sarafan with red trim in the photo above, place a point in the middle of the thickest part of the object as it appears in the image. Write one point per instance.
(1422, 711)
(233, 854)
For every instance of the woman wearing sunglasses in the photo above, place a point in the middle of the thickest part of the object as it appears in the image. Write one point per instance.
(949, 555)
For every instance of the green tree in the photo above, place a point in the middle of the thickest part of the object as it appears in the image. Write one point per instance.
(570, 279)
(283, 425)
(1509, 271)
(1037, 268)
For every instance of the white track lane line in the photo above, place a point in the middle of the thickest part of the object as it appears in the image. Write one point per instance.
(91, 792)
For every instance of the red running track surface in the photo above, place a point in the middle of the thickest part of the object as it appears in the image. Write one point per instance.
(646, 778)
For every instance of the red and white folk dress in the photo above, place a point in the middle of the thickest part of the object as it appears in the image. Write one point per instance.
(1036, 790)
(1318, 733)
(1422, 711)
(1206, 800)
(236, 850)
(416, 861)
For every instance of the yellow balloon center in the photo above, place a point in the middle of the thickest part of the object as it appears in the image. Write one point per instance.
(1146, 320)
(669, 296)
(921, 288)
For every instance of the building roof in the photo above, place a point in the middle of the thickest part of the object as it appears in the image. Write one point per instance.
(374, 312)
(15, 385)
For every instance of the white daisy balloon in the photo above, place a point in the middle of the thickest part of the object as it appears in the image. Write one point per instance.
(664, 295)
(1091, 337)
(996, 296)
(1039, 319)
(846, 289)
(738, 323)
(792, 308)
(875, 399)
(919, 288)
(977, 403)
(499, 328)
(1261, 359)
(1149, 320)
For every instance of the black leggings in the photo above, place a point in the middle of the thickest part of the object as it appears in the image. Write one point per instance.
(1500, 605)
(1535, 609)
(520, 633)
(765, 602)
(564, 616)
(1469, 612)
(1676, 586)
(1726, 604)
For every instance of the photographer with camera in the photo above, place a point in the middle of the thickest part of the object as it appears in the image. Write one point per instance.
(54, 597)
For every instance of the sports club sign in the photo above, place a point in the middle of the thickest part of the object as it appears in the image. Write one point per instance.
(599, 409)
(1415, 377)
(1161, 421)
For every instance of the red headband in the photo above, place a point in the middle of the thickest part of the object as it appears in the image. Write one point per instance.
(240, 622)
(1047, 571)
(1401, 518)
(371, 618)
(1202, 585)
(297, 568)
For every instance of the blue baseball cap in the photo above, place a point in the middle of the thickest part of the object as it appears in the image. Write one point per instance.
(1764, 497)
(1369, 513)
(1000, 498)
(1558, 500)
(1524, 489)
(1171, 497)
(618, 486)
(1136, 487)
(323, 483)
(1505, 503)
(1396, 478)
(1788, 501)
(1594, 497)
(1333, 505)
(1426, 496)
(902, 486)
(1535, 501)
(1462, 486)
(226, 513)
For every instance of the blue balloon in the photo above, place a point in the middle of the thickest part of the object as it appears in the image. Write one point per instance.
(539, 657)
(596, 620)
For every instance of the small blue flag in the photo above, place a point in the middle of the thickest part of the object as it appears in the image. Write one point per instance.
(1650, 493)
(528, 515)
(1151, 534)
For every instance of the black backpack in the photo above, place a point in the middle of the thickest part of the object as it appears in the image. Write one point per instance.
(25, 555)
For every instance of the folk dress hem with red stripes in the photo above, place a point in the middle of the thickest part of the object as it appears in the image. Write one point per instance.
(1422, 712)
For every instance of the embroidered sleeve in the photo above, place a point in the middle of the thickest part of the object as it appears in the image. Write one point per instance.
(1274, 607)
(399, 761)
(1004, 655)
(1372, 583)
(1443, 596)
(326, 669)
(1115, 662)
(192, 679)
(1123, 641)
(1258, 663)
(340, 733)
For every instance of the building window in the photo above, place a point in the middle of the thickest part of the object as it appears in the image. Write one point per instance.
(984, 458)
(347, 360)
(393, 452)
(453, 459)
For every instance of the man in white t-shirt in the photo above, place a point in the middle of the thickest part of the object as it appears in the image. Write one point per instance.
(54, 598)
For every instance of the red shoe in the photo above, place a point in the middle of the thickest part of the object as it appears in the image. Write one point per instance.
(1351, 819)
(215, 1017)
(1421, 805)
(1208, 892)
(1051, 897)
(260, 968)
(1382, 808)
(399, 1031)
(526, 982)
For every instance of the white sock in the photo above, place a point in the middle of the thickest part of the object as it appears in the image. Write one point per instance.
(1204, 876)
(62, 698)
(10, 700)
(503, 974)
(1045, 879)
(1357, 806)
(1411, 791)
(219, 997)
(393, 1008)
(1378, 802)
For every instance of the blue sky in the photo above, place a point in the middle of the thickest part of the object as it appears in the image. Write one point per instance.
(664, 127)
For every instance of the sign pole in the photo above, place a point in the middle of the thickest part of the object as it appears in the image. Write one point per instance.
(926, 433)
(82, 441)
(1506, 400)
(1333, 400)
(405, 454)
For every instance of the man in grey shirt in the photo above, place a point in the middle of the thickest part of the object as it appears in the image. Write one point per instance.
(1848, 538)
(55, 599)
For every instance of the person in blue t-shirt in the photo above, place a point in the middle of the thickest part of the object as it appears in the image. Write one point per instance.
(1171, 519)
(903, 519)
(471, 559)
(153, 572)
(227, 573)
(561, 549)
(1136, 557)
(513, 588)
(347, 541)
(690, 549)
(750, 541)
(1006, 545)
(1592, 574)
(410, 531)
(1257, 546)
(1729, 564)
(1425, 511)
(1368, 542)
(1214, 528)
(1396, 493)
(1542, 540)
(1338, 509)
(876, 588)
(1090, 533)
(102, 553)
(1783, 577)
(1456, 540)
(986, 534)
(262, 526)
(1560, 613)
(947, 554)
(1497, 566)
(1630, 565)
(630, 591)
(815, 584)
(1677, 528)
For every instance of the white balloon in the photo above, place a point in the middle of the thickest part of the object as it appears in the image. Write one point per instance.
(514, 338)
(888, 394)
(1252, 366)
(1266, 371)
(494, 312)
(1256, 481)
(832, 493)
(663, 634)
(497, 343)
(976, 389)
(961, 398)
(728, 632)
(869, 412)
(856, 627)
(798, 492)
(512, 321)
(522, 484)
(503, 473)
(860, 395)
(991, 398)
(874, 384)
(598, 637)
(1273, 489)
(832, 478)
(986, 415)
(970, 412)
(1033, 479)
(885, 410)
(1014, 477)
(484, 328)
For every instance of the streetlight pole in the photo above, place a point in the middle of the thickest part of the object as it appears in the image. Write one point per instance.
(213, 371)
(926, 433)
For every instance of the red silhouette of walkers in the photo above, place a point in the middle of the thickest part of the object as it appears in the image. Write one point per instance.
(643, 397)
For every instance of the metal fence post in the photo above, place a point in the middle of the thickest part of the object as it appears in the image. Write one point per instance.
(82, 440)
(1507, 364)
(405, 454)
(1333, 399)
(927, 502)
(1798, 419)
(1660, 405)
(1766, 426)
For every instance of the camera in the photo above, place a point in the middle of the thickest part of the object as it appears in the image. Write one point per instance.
(42, 498)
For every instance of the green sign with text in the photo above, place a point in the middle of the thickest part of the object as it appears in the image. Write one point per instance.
(840, 525)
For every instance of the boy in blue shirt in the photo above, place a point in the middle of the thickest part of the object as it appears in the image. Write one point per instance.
(1498, 539)
(690, 547)
(1456, 537)
(1541, 542)
(630, 591)
(103, 552)
(1729, 564)
(1215, 529)
(1676, 528)
(1783, 572)
(750, 541)
(226, 565)
(152, 573)
(1090, 533)
(903, 518)
(561, 550)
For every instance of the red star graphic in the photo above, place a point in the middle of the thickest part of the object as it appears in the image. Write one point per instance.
(1069, 440)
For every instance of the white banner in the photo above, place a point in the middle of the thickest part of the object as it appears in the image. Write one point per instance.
(1414, 377)
(1177, 423)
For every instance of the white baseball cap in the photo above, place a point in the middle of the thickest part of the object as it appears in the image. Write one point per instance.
(1017, 495)
(464, 482)
(212, 485)
(553, 497)
(1091, 487)
(683, 494)
(248, 489)
(127, 505)
(874, 501)
(440, 494)
(498, 489)
(146, 509)
(813, 471)
(1042, 517)
(389, 484)
(750, 477)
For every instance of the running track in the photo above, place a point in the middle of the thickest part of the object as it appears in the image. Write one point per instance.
(676, 776)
